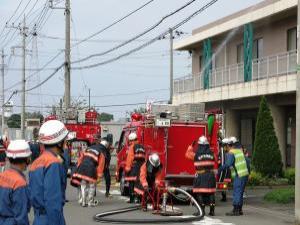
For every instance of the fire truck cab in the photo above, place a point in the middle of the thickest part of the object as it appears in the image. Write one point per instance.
(169, 136)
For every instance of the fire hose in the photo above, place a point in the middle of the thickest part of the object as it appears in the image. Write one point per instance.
(103, 217)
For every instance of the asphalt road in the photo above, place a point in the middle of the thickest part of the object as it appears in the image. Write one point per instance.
(255, 212)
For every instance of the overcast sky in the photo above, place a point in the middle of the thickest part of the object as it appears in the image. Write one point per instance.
(145, 71)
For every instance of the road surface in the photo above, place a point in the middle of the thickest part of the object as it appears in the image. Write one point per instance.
(255, 212)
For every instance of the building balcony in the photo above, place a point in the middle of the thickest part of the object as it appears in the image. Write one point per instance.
(272, 74)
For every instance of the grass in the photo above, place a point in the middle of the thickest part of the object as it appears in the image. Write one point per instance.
(282, 196)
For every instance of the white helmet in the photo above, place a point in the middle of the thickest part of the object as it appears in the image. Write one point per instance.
(132, 136)
(4, 137)
(202, 140)
(154, 160)
(18, 149)
(105, 143)
(233, 140)
(225, 141)
(52, 132)
(71, 136)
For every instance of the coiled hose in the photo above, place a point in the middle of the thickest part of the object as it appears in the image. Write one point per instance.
(103, 217)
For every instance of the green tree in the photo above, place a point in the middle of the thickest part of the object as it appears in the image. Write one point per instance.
(34, 115)
(105, 117)
(14, 121)
(266, 156)
(140, 110)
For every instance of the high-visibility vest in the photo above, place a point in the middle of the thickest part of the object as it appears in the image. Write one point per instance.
(240, 168)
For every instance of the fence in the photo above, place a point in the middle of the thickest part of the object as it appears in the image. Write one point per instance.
(263, 68)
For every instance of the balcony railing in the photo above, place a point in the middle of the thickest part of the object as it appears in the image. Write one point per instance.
(263, 68)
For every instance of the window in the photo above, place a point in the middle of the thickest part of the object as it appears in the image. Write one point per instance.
(122, 142)
(257, 48)
(200, 63)
(292, 39)
(240, 53)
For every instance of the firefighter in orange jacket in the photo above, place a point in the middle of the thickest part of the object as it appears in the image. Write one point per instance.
(14, 195)
(150, 176)
(205, 182)
(90, 170)
(131, 167)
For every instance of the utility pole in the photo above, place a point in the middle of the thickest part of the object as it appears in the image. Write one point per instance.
(171, 65)
(297, 160)
(67, 55)
(24, 34)
(2, 93)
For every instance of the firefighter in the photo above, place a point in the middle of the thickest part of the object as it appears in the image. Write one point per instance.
(205, 182)
(138, 160)
(89, 172)
(2, 156)
(225, 176)
(47, 176)
(15, 206)
(149, 178)
(107, 154)
(240, 170)
(130, 174)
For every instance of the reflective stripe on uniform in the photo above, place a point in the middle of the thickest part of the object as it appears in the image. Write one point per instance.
(138, 191)
(204, 190)
(204, 163)
(91, 156)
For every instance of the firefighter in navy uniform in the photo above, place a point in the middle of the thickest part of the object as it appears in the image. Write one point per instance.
(133, 140)
(225, 176)
(47, 176)
(150, 177)
(205, 182)
(240, 170)
(2, 156)
(90, 171)
(138, 160)
(14, 197)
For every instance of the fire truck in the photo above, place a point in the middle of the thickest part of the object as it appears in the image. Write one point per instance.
(84, 128)
(170, 136)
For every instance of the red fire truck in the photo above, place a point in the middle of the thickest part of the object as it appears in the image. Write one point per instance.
(170, 138)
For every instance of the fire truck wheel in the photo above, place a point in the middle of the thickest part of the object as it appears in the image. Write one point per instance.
(123, 188)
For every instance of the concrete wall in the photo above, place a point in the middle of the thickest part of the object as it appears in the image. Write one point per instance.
(114, 128)
(274, 35)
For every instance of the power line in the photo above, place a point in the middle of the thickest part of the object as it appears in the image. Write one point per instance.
(14, 13)
(33, 74)
(108, 95)
(45, 80)
(149, 42)
(92, 41)
(114, 23)
(137, 36)
(97, 106)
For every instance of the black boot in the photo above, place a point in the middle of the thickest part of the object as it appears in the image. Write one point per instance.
(234, 212)
(131, 199)
(224, 196)
(241, 210)
(212, 210)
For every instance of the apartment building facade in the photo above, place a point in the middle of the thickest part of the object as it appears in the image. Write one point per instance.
(240, 58)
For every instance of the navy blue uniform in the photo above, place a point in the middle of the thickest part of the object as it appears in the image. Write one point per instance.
(47, 189)
(239, 183)
(14, 199)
